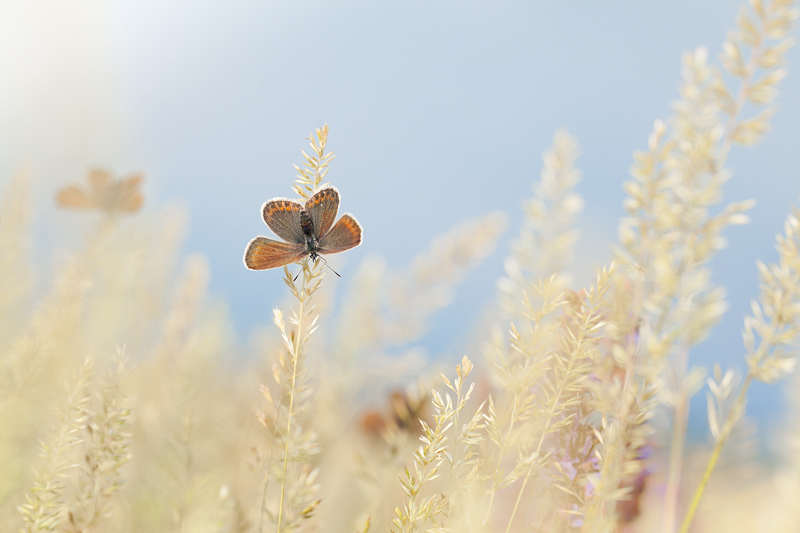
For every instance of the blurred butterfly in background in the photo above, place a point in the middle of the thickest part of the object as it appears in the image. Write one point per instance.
(104, 193)
(308, 230)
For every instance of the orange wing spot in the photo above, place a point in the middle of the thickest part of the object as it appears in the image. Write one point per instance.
(352, 226)
(320, 197)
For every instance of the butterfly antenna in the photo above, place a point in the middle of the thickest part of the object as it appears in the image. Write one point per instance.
(329, 267)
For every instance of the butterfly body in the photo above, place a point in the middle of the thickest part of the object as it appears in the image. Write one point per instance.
(307, 225)
(308, 230)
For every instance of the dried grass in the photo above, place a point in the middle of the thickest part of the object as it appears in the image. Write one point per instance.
(557, 432)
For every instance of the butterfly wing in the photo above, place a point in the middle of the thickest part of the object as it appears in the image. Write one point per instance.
(323, 207)
(283, 218)
(74, 197)
(132, 202)
(263, 253)
(99, 179)
(344, 235)
(131, 198)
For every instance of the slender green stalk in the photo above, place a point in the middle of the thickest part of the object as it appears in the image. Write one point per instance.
(516, 503)
(712, 462)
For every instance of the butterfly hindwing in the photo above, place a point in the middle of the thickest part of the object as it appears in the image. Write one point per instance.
(323, 207)
(263, 253)
(344, 235)
(283, 218)
(129, 199)
(131, 202)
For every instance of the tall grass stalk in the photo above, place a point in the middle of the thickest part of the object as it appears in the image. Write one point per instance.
(776, 321)
(45, 503)
(756, 28)
(298, 442)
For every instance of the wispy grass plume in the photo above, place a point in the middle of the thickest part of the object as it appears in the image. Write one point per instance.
(421, 511)
(106, 449)
(545, 243)
(46, 500)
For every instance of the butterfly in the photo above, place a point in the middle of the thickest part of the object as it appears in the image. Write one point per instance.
(104, 193)
(308, 230)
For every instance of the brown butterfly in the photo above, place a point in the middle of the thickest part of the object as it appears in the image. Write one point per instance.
(104, 193)
(308, 230)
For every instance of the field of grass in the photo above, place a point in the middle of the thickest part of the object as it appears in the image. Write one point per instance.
(126, 408)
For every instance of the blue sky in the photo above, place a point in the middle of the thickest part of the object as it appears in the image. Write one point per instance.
(439, 112)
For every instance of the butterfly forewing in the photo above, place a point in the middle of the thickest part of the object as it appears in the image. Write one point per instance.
(74, 197)
(344, 235)
(283, 218)
(323, 207)
(99, 179)
(263, 253)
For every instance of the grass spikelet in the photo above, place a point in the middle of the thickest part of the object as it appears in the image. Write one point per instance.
(420, 511)
(561, 393)
(622, 438)
(375, 319)
(428, 287)
(51, 324)
(465, 459)
(171, 464)
(315, 167)
(544, 245)
(42, 352)
(540, 417)
(15, 276)
(518, 369)
(762, 31)
(106, 449)
(44, 508)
